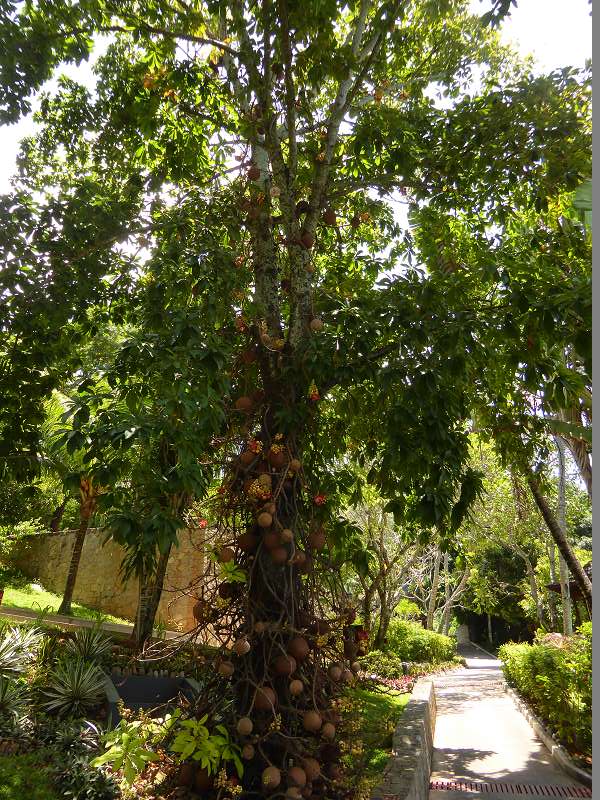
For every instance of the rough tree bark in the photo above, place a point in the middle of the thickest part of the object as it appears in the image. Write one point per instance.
(435, 583)
(551, 550)
(149, 598)
(582, 580)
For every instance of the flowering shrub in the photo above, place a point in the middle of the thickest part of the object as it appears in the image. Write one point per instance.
(555, 677)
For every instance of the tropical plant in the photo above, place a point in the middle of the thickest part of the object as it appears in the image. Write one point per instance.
(73, 688)
(75, 779)
(14, 699)
(194, 741)
(89, 644)
(17, 649)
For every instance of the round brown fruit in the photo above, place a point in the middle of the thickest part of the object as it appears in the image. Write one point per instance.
(355, 221)
(297, 776)
(295, 465)
(277, 459)
(248, 752)
(203, 781)
(298, 647)
(285, 665)
(296, 687)
(312, 768)
(265, 698)
(328, 731)
(317, 539)
(293, 793)
(265, 520)
(245, 726)
(312, 721)
(347, 676)
(243, 404)
(302, 207)
(271, 540)
(300, 558)
(201, 611)
(355, 666)
(316, 325)
(335, 672)
(279, 555)
(271, 778)
(308, 240)
(329, 217)
(247, 542)
(253, 173)
(270, 508)
(226, 668)
(247, 457)
(241, 647)
(226, 555)
(287, 535)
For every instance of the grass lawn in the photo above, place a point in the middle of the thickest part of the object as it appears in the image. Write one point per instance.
(23, 777)
(378, 714)
(35, 598)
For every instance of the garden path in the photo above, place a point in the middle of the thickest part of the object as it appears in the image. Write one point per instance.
(481, 736)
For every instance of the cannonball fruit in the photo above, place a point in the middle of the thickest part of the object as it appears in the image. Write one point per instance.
(253, 173)
(328, 731)
(247, 457)
(316, 325)
(279, 555)
(245, 726)
(226, 555)
(295, 464)
(287, 535)
(317, 539)
(355, 666)
(226, 668)
(329, 217)
(265, 520)
(270, 508)
(298, 647)
(285, 665)
(296, 687)
(312, 768)
(243, 404)
(293, 793)
(271, 778)
(312, 721)
(307, 239)
(241, 647)
(347, 676)
(201, 611)
(247, 542)
(297, 776)
(271, 540)
(265, 698)
(248, 752)
(335, 672)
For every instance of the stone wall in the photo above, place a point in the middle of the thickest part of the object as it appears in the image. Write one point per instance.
(406, 775)
(46, 557)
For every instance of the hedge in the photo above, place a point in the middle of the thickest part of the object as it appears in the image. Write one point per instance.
(555, 676)
(409, 641)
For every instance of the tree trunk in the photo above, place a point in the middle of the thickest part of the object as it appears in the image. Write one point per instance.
(445, 621)
(65, 605)
(578, 448)
(562, 521)
(553, 579)
(435, 583)
(582, 580)
(150, 593)
(57, 516)
(535, 595)
(490, 633)
(385, 616)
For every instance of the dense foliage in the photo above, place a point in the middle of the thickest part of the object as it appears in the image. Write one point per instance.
(555, 677)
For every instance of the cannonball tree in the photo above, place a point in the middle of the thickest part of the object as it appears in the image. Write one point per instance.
(228, 190)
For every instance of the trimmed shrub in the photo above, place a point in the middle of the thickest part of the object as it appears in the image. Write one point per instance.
(385, 665)
(409, 641)
(555, 677)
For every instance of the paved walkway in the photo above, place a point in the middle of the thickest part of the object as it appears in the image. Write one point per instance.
(480, 735)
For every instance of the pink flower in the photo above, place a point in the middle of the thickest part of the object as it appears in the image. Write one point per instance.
(202, 523)
(320, 499)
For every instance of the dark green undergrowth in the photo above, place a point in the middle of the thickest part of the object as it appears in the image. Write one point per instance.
(26, 777)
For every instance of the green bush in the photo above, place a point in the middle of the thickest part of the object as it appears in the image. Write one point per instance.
(556, 679)
(409, 641)
(386, 665)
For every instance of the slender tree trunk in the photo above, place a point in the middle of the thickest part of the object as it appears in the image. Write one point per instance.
(65, 605)
(385, 616)
(582, 580)
(578, 449)
(535, 595)
(490, 632)
(553, 579)
(562, 521)
(435, 583)
(57, 516)
(150, 593)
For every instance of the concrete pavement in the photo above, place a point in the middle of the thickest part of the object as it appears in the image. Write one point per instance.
(481, 736)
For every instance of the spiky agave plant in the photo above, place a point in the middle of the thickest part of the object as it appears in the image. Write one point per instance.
(14, 699)
(89, 644)
(73, 687)
(17, 649)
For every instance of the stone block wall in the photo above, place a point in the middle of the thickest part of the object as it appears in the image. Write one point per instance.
(46, 557)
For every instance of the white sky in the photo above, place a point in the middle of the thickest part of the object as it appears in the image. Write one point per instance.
(557, 33)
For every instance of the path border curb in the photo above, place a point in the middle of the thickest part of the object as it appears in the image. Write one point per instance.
(407, 773)
(557, 751)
